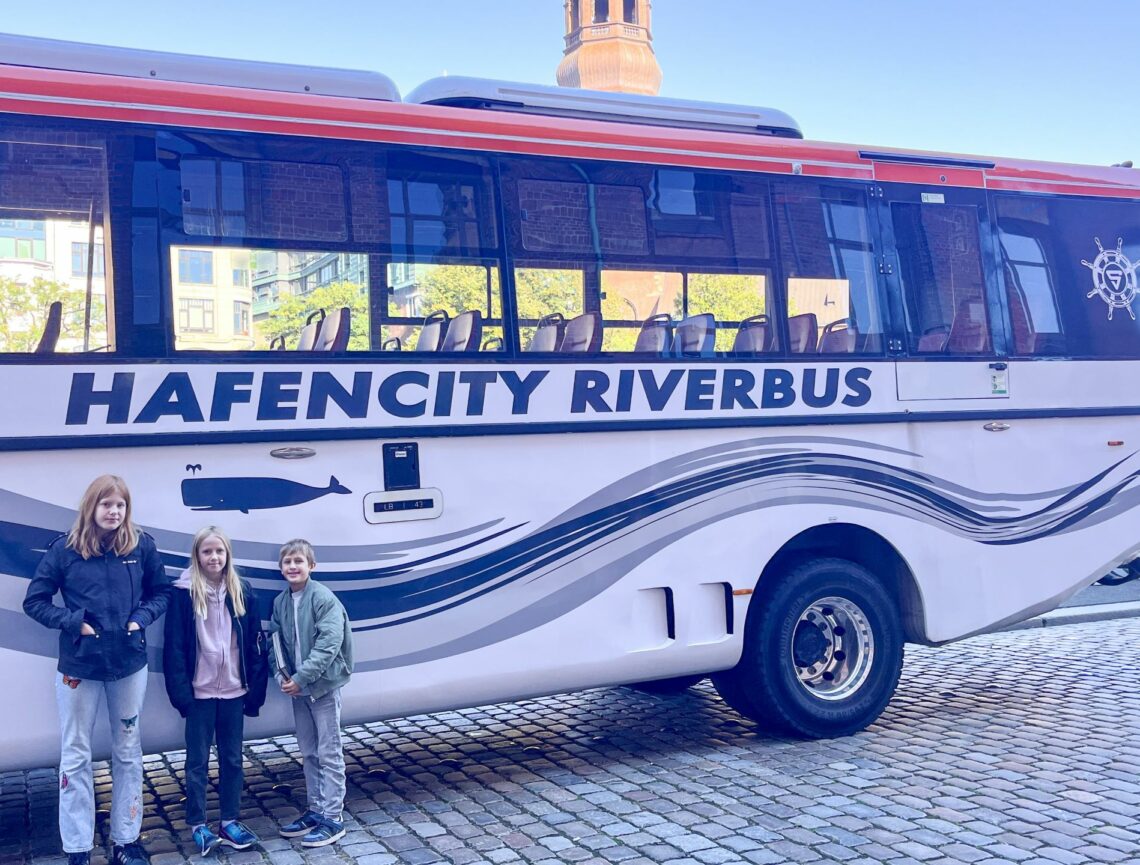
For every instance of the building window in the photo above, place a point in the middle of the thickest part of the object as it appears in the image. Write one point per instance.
(601, 11)
(629, 12)
(195, 315)
(195, 267)
(327, 274)
(79, 259)
(241, 318)
(240, 277)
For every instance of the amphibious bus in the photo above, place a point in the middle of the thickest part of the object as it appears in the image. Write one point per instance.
(569, 389)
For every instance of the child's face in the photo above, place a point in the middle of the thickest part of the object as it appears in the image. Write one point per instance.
(212, 557)
(110, 512)
(295, 568)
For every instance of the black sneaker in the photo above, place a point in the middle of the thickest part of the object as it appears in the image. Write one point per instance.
(129, 854)
(83, 858)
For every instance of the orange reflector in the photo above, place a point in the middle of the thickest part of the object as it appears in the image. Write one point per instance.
(1115, 444)
(742, 591)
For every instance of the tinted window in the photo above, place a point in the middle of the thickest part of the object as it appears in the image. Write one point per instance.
(828, 260)
(1070, 275)
(942, 278)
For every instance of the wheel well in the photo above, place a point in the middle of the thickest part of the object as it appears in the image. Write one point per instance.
(865, 548)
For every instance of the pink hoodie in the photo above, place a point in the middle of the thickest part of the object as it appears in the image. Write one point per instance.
(217, 675)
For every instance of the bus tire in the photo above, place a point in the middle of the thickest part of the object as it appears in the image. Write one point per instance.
(666, 687)
(823, 650)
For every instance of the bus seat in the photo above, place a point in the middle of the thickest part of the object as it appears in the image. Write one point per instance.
(695, 335)
(969, 333)
(656, 334)
(548, 334)
(311, 331)
(802, 330)
(934, 339)
(464, 332)
(432, 332)
(335, 330)
(838, 337)
(583, 334)
(392, 343)
(52, 327)
(754, 335)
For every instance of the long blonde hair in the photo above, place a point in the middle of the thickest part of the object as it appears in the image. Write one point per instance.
(85, 537)
(198, 580)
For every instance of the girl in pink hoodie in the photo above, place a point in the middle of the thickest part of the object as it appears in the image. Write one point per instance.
(216, 669)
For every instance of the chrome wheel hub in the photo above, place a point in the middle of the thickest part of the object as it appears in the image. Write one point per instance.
(832, 648)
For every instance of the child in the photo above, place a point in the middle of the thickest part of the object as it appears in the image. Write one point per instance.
(113, 585)
(312, 629)
(216, 670)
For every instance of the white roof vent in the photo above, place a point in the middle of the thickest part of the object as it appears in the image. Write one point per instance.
(165, 66)
(463, 92)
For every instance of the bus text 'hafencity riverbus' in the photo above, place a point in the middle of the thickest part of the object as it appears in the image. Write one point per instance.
(568, 389)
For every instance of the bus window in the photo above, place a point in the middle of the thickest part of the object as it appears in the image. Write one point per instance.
(227, 299)
(420, 291)
(942, 278)
(1070, 276)
(832, 297)
(732, 298)
(630, 297)
(53, 256)
(546, 291)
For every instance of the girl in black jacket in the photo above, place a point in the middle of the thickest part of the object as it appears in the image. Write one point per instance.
(216, 671)
(113, 584)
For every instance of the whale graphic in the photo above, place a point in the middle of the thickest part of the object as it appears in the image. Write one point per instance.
(248, 494)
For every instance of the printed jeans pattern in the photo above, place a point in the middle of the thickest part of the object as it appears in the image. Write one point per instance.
(219, 721)
(318, 739)
(78, 708)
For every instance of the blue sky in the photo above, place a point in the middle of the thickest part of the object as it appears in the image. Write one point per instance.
(1039, 79)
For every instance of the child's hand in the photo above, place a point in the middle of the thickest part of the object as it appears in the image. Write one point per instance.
(290, 687)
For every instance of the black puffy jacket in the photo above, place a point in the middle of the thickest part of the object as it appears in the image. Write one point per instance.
(107, 592)
(180, 652)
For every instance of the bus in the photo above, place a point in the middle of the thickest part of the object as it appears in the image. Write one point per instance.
(568, 389)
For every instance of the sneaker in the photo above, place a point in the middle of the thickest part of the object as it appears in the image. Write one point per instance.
(83, 858)
(303, 825)
(206, 840)
(239, 836)
(129, 854)
(326, 833)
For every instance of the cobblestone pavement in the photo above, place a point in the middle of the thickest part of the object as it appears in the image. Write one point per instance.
(1021, 747)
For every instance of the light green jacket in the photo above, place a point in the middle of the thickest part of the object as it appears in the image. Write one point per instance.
(325, 636)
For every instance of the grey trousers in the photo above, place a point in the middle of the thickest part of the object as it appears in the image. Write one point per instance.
(318, 739)
(77, 708)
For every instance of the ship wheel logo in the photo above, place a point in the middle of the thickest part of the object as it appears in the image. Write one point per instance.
(1114, 278)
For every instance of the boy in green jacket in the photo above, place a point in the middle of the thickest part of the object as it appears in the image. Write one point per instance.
(313, 634)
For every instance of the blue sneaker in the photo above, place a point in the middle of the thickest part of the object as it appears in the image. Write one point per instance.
(303, 825)
(239, 836)
(206, 841)
(327, 832)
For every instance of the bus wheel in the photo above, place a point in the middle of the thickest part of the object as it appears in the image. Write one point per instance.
(666, 687)
(823, 650)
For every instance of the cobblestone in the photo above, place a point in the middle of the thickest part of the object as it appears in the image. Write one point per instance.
(1018, 748)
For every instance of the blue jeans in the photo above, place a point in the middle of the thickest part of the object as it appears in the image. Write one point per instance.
(219, 721)
(318, 739)
(77, 709)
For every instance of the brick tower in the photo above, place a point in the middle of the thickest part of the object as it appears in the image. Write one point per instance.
(609, 47)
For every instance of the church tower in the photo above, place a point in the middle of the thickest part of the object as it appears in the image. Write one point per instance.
(609, 47)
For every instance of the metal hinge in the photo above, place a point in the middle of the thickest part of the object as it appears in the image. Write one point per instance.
(885, 265)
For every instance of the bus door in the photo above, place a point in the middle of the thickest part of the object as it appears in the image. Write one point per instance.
(937, 243)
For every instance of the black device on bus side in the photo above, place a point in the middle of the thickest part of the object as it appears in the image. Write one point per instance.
(401, 466)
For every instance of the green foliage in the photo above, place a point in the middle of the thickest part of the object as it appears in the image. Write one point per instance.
(24, 309)
(290, 315)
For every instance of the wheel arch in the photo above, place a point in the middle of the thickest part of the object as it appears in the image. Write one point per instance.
(866, 548)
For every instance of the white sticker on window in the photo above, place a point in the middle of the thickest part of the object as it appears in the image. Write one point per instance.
(933, 198)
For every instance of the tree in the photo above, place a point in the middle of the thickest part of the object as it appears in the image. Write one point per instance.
(24, 309)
